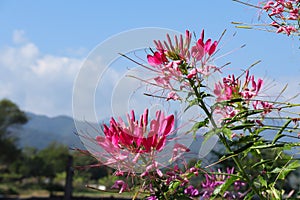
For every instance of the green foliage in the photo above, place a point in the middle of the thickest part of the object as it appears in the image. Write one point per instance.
(220, 190)
(88, 168)
(10, 116)
(55, 158)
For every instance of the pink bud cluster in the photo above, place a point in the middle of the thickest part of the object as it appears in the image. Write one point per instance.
(232, 87)
(121, 185)
(285, 14)
(176, 175)
(214, 180)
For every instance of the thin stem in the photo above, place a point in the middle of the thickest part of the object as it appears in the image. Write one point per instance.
(247, 4)
(223, 139)
(160, 190)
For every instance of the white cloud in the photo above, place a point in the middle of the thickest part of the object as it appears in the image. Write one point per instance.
(37, 82)
(19, 37)
(43, 83)
(18, 57)
(49, 66)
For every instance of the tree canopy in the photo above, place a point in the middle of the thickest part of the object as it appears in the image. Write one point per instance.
(10, 116)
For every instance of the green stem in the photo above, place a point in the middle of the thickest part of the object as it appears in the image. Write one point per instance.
(159, 188)
(153, 179)
(223, 139)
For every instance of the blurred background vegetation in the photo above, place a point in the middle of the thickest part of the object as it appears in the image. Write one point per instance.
(28, 170)
(41, 170)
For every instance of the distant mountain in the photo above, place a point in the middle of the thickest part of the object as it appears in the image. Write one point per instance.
(41, 130)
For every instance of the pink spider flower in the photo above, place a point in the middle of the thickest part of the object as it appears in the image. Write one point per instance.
(176, 62)
(268, 6)
(180, 46)
(200, 49)
(135, 137)
(264, 105)
(173, 96)
(157, 59)
(206, 70)
(284, 13)
(228, 89)
(137, 144)
(294, 14)
(233, 88)
(214, 180)
(250, 92)
(287, 29)
(120, 184)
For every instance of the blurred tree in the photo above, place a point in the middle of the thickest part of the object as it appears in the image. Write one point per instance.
(41, 164)
(87, 167)
(10, 116)
(29, 164)
(55, 158)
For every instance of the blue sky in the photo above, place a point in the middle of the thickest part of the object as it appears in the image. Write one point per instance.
(44, 43)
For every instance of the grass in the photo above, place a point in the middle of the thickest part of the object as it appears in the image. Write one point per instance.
(28, 190)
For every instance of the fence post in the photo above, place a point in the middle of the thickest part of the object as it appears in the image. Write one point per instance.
(69, 178)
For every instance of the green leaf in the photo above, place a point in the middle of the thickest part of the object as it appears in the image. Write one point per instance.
(262, 181)
(211, 133)
(278, 135)
(249, 196)
(262, 162)
(191, 104)
(283, 172)
(276, 193)
(267, 146)
(199, 125)
(198, 164)
(227, 132)
(242, 126)
(173, 186)
(222, 188)
(243, 148)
